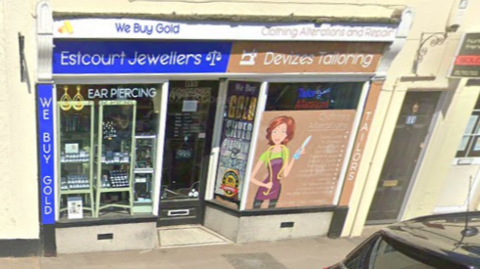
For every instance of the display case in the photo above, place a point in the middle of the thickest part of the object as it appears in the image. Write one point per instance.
(75, 163)
(144, 173)
(115, 151)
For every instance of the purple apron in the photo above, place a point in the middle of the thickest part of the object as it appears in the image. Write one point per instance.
(277, 165)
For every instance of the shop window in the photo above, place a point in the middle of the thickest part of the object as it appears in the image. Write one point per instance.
(470, 143)
(313, 96)
(107, 148)
(301, 144)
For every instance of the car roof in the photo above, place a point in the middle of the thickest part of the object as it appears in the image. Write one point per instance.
(442, 236)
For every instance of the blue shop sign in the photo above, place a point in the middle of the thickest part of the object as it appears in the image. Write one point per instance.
(134, 57)
(45, 107)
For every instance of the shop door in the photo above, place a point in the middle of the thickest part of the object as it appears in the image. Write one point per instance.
(188, 140)
(405, 149)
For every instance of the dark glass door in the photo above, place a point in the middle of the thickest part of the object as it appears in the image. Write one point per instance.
(189, 129)
(403, 154)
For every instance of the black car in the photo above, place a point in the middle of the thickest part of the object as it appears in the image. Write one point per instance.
(439, 241)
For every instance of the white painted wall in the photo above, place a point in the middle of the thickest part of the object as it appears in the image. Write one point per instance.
(431, 180)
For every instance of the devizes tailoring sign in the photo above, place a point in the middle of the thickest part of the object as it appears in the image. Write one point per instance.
(150, 57)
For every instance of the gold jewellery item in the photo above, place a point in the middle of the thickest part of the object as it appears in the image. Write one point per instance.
(66, 99)
(77, 99)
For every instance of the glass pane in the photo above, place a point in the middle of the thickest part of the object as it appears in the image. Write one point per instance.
(471, 124)
(463, 143)
(313, 96)
(190, 117)
(76, 159)
(386, 256)
(476, 144)
(99, 135)
(115, 171)
(235, 139)
(360, 258)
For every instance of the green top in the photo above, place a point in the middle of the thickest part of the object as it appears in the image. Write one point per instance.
(275, 155)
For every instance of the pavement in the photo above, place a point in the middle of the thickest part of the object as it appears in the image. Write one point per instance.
(306, 253)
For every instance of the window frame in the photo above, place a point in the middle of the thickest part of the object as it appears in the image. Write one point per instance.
(473, 137)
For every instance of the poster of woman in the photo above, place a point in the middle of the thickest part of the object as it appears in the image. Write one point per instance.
(276, 159)
(298, 158)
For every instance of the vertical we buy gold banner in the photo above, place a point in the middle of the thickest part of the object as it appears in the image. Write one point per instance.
(236, 137)
(298, 158)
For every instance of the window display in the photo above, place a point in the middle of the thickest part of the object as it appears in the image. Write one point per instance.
(107, 148)
(313, 96)
(144, 170)
(115, 151)
(190, 115)
(301, 146)
(75, 144)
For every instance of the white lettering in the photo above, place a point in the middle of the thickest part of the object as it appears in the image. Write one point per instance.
(46, 114)
(47, 190)
(47, 180)
(46, 137)
(45, 102)
(47, 209)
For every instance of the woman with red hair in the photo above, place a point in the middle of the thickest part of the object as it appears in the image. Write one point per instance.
(276, 159)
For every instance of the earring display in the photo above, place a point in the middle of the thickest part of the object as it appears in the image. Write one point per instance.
(109, 131)
(116, 140)
(106, 148)
(82, 156)
(119, 179)
(75, 165)
(105, 182)
(75, 182)
(145, 147)
(75, 122)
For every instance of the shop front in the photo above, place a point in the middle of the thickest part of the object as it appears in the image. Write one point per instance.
(254, 131)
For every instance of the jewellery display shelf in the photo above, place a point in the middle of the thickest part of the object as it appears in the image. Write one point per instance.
(76, 139)
(115, 162)
(144, 173)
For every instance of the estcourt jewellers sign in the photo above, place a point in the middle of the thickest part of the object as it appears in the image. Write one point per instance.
(152, 29)
(242, 57)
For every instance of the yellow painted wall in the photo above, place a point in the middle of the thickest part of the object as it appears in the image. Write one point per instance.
(432, 175)
(18, 147)
(234, 7)
(18, 168)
